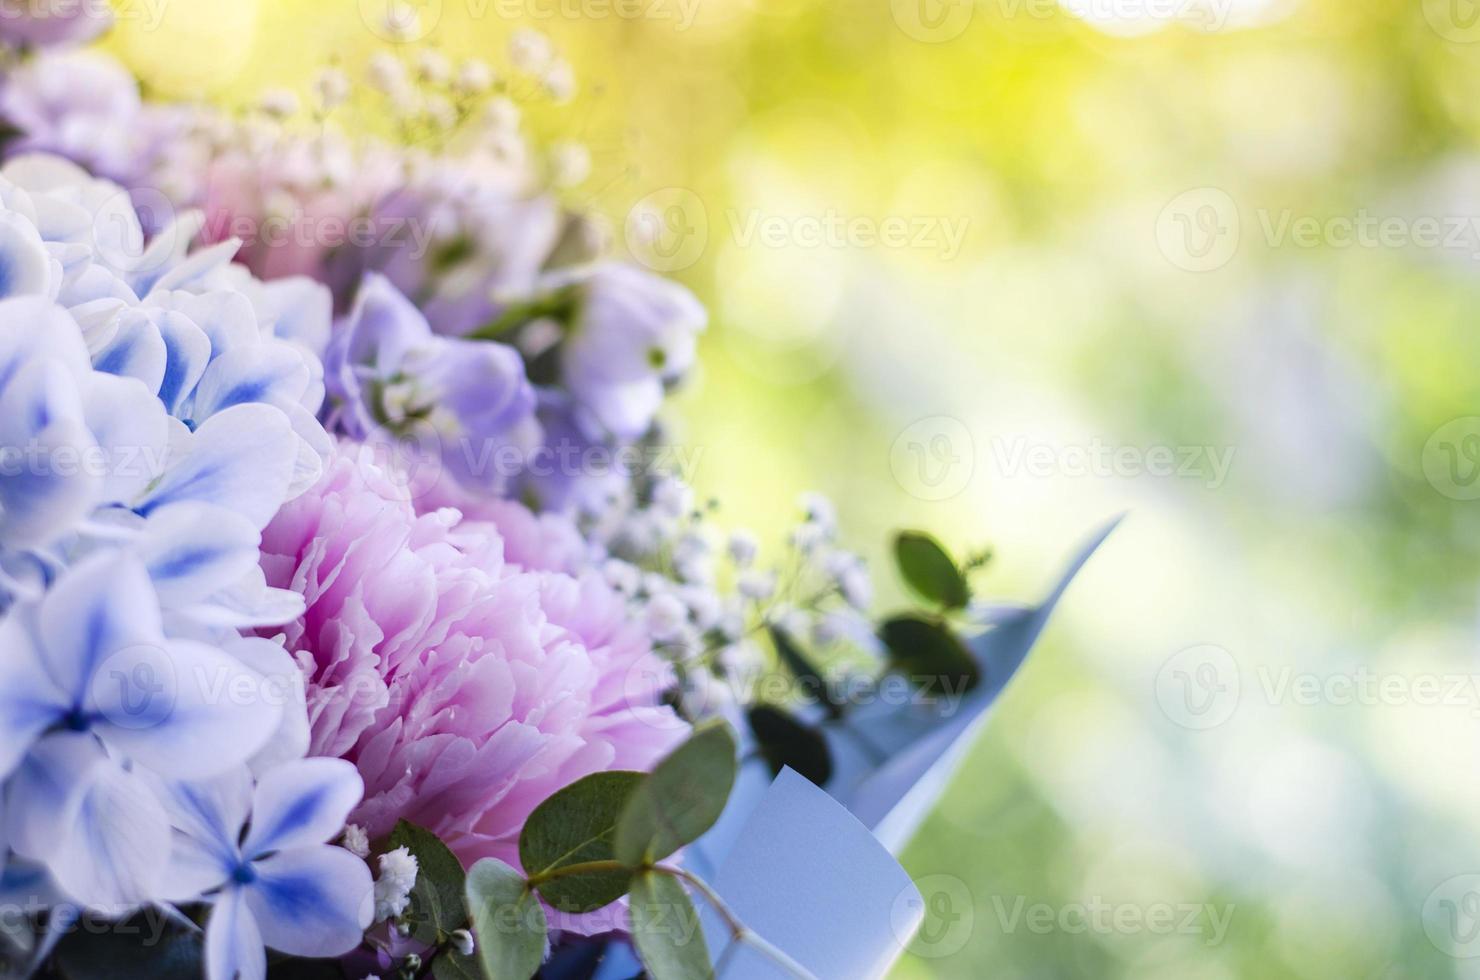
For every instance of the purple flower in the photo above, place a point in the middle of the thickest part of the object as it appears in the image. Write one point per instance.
(631, 333)
(59, 22)
(465, 690)
(465, 400)
(279, 884)
(78, 104)
(478, 242)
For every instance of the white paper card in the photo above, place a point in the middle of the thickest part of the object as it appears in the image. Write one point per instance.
(812, 880)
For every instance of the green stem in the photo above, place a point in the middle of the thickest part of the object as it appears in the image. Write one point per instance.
(558, 304)
(739, 932)
(581, 868)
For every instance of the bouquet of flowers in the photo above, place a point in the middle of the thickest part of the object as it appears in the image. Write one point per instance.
(352, 622)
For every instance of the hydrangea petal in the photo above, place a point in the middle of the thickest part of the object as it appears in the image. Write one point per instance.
(233, 943)
(314, 901)
(187, 710)
(100, 606)
(193, 550)
(302, 803)
(30, 700)
(241, 459)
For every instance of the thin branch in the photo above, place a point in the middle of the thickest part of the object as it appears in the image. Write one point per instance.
(738, 930)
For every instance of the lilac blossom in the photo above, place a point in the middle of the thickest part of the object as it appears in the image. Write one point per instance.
(26, 22)
(468, 399)
(630, 334)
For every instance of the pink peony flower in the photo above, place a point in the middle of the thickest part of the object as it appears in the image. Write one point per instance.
(464, 688)
(544, 542)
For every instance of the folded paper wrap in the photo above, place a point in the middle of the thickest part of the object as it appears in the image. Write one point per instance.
(813, 870)
(811, 879)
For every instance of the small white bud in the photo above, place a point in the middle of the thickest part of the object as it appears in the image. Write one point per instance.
(356, 841)
(432, 66)
(757, 586)
(743, 548)
(559, 81)
(330, 89)
(529, 50)
(279, 103)
(570, 164)
(387, 74)
(474, 77)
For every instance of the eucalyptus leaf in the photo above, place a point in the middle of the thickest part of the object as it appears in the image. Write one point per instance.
(929, 570)
(508, 921)
(665, 929)
(575, 826)
(807, 675)
(437, 904)
(452, 965)
(930, 656)
(785, 741)
(680, 799)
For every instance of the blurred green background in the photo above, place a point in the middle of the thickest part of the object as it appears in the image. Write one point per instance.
(1003, 268)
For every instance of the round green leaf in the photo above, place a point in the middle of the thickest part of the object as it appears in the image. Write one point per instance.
(576, 826)
(665, 929)
(785, 741)
(680, 799)
(808, 676)
(437, 904)
(930, 656)
(508, 921)
(929, 570)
